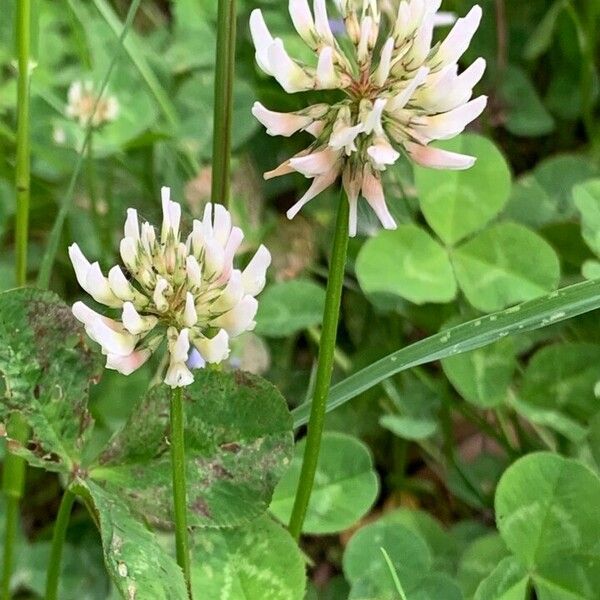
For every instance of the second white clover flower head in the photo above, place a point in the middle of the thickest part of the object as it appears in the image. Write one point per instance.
(185, 291)
(81, 101)
(400, 97)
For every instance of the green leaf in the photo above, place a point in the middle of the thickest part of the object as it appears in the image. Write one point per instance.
(495, 270)
(545, 195)
(548, 513)
(137, 564)
(365, 566)
(406, 262)
(289, 307)
(345, 489)
(409, 428)
(587, 200)
(479, 560)
(238, 443)
(483, 376)
(562, 377)
(558, 306)
(46, 367)
(258, 560)
(508, 581)
(459, 203)
(526, 115)
(541, 38)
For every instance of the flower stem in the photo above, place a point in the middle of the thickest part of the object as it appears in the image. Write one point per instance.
(324, 369)
(58, 542)
(223, 101)
(13, 483)
(179, 486)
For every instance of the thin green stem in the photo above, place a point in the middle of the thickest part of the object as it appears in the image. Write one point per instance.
(179, 487)
(324, 368)
(43, 280)
(13, 484)
(223, 101)
(22, 174)
(58, 542)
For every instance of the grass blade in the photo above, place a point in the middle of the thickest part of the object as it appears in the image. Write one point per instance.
(560, 305)
(43, 280)
(393, 573)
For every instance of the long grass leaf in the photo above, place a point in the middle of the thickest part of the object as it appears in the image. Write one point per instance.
(535, 314)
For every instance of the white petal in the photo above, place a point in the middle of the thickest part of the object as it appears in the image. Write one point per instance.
(444, 19)
(178, 375)
(343, 137)
(231, 295)
(221, 224)
(180, 347)
(120, 285)
(80, 263)
(214, 260)
(112, 342)
(399, 101)
(190, 316)
(98, 287)
(365, 36)
(134, 322)
(193, 272)
(316, 163)
(132, 226)
(383, 69)
(254, 275)
(289, 74)
(449, 124)
(327, 77)
(284, 124)
(372, 190)
(240, 318)
(214, 350)
(126, 365)
(160, 293)
(303, 20)
(322, 21)
(262, 38)
(435, 158)
(320, 183)
(382, 153)
(171, 215)
(128, 248)
(373, 121)
(459, 38)
(85, 315)
(421, 45)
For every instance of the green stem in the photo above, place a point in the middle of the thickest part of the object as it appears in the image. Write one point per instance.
(324, 368)
(13, 483)
(58, 542)
(223, 101)
(23, 149)
(179, 486)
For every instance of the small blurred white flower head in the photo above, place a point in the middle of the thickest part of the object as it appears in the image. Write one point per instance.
(402, 93)
(81, 101)
(188, 292)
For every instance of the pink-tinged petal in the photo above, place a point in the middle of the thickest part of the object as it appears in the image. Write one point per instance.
(316, 163)
(283, 169)
(262, 38)
(459, 38)
(303, 20)
(126, 365)
(372, 190)
(382, 154)
(436, 158)
(322, 22)
(352, 182)
(449, 124)
(277, 123)
(320, 183)
(289, 74)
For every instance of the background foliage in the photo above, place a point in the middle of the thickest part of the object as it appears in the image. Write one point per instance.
(479, 474)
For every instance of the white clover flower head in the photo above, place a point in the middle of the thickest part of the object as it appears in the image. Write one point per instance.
(188, 292)
(402, 93)
(81, 101)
